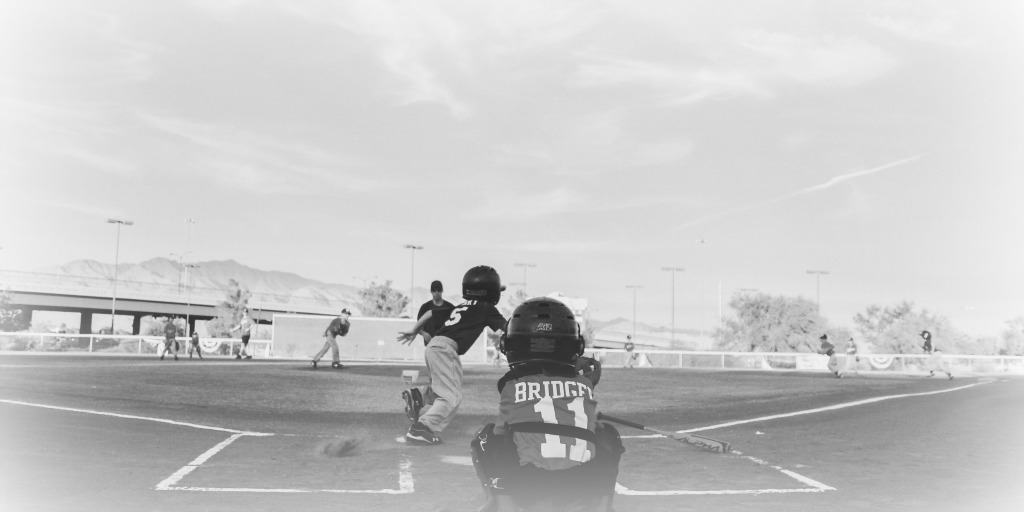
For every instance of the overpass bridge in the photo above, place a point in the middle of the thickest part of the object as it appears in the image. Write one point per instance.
(88, 296)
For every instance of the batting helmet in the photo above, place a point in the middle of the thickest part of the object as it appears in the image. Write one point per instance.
(482, 283)
(542, 329)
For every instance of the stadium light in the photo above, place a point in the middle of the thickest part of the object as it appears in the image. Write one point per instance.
(673, 270)
(525, 266)
(117, 253)
(818, 274)
(412, 272)
(635, 287)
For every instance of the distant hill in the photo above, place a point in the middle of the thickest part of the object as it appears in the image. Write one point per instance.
(210, 279)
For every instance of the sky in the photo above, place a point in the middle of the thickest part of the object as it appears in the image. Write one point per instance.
(746, 142)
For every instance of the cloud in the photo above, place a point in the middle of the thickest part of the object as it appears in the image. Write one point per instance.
(938, 26)
(263, 163)
(542, 203)
(676, 84)
(822, 60)
(803, 191)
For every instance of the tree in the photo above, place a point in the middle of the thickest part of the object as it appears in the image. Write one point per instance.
(12, 319)
(764, 323)
(230, 310)
(381, 300)
(876, 320)
(897, 330)
(1013, 337)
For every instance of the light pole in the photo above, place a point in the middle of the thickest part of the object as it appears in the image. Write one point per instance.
(117, 253)
(188, 303)
(818, 273)
(525, 266)
(412, 270)
(673, 270)
(635, 287)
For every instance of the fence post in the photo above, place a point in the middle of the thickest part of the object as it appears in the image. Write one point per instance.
(723, 360)
(140, 345)
(90, 344)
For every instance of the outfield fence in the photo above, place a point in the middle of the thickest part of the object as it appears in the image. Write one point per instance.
(299, 336)
(791, 361)
(121, 344)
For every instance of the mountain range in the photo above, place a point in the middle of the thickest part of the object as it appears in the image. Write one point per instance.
(168, 279)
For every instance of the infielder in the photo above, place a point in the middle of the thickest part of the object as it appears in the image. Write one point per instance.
(338, 327)
(246, 325)
(481, 287)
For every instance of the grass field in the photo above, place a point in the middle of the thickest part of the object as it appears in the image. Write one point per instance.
(127, 433)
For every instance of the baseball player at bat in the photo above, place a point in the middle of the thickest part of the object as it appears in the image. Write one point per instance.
(481, 287)
(547, 450)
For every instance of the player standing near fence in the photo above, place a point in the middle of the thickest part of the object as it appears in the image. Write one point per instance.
(481, 287)
(194, 345)
(170, 339)
(935, 359)
(851, 357)
(246, 325)
(338, 327)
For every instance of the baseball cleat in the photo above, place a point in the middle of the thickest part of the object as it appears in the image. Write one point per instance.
(314, 365)
(420, 434)
(337, 366)
(413, 403)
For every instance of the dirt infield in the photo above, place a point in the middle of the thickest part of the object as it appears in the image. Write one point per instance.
(140, 434)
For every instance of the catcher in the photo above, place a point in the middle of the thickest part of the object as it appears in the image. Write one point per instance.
(547, 451)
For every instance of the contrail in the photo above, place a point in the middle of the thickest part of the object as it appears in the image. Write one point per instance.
(807, 190)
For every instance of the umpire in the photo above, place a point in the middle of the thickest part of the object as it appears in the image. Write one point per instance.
(441, 309)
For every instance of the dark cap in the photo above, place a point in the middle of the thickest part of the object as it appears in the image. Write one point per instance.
(345, 311)
(823, 337)
(926, 335)
(436, 286)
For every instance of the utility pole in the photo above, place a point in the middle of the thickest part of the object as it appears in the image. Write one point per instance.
(412, 272)
(188, 303)
(524, 266)
(818, 274)
(673, 270)
(117, 253)
(635, 287)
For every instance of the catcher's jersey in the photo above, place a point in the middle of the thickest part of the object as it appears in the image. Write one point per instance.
(467, 321)
(553, 400)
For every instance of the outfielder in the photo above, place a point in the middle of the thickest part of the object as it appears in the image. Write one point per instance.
(245, 326)
(851, 357)
(338, 327)
(935, 360)
(481, 287)
(170, 339)
(828, 349)
(547, 451)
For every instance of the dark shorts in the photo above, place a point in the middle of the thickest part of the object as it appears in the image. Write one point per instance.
(245, 339)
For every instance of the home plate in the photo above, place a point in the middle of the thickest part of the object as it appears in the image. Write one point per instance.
(461, 460)
(400, 439)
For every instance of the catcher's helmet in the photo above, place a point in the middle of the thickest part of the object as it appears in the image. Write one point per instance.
(542, 329)
(482, 283)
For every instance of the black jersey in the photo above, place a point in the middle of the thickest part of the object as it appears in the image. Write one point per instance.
(338, 327)
(465, 323)
(438, 315)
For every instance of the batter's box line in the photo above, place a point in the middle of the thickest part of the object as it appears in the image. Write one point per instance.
(405, 480)
(812, 485)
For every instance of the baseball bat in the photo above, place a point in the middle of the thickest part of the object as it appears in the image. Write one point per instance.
(703, 442)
